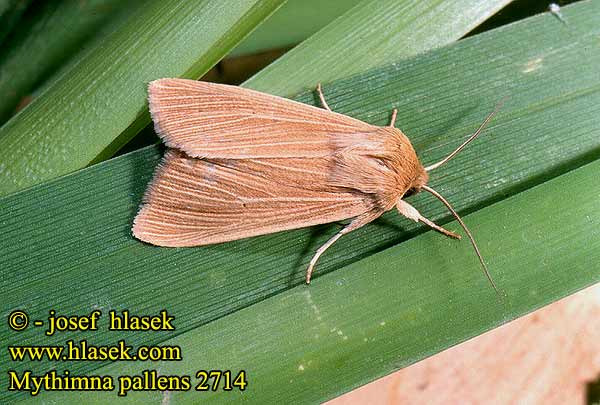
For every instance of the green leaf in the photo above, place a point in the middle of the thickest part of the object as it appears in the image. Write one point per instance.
(372, 34)
(540, 245)
(49, 37)
(101, 103)
(295, 21)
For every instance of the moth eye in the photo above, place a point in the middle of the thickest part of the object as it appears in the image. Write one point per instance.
(409, 192)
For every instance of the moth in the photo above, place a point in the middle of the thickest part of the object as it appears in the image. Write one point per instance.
(242, 163)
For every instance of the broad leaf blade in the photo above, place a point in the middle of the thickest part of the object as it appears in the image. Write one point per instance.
(101, 103)
(372, 34)
(52, 35)
(292, 23)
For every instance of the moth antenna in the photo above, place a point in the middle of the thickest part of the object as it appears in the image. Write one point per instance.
(460, 221)
(471, 138)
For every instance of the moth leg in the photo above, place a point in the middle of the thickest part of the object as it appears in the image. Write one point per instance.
(393, 120)
(322, 97)
(411, 212)
(321, 250)
(355, 224)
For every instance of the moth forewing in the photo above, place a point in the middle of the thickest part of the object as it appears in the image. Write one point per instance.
(192, 202)
(228, 122)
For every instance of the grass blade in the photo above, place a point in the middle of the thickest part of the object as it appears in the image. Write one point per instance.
(101, 103)
(49, 37)
(372, 34)
(291, 24)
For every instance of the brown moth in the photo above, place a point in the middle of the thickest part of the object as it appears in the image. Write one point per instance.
(243, 163)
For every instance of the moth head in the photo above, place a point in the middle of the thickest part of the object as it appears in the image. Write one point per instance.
(421, 178)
